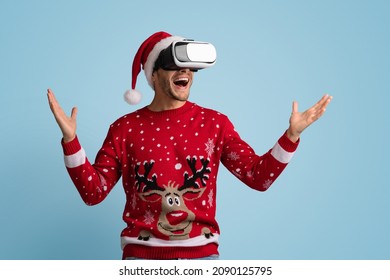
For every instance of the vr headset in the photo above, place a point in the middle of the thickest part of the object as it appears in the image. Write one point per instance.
(186, 54)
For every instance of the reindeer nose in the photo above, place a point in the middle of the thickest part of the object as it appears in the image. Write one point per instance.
(176, 217)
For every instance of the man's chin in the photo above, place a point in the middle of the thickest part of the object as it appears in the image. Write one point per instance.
(180, 97)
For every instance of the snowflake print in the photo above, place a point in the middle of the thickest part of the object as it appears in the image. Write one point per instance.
(249, 174)
(149, 218)
(209, 147)
(233, 156)
(267, 184)
(211, 200)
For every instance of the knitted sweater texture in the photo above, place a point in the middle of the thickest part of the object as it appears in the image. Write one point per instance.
(168, 162)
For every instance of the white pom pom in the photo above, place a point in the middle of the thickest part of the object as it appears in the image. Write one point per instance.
(132, 96)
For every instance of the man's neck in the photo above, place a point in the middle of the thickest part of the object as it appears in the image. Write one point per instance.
(158, 105)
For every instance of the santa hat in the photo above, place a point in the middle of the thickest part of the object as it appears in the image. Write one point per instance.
(146, 56)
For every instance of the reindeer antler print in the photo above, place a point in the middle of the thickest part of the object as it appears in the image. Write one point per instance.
(149, 184)
(190, 181)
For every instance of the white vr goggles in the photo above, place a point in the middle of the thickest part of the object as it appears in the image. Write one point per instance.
(186, 54)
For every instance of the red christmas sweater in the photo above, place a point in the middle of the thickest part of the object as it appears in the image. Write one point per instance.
(169, 162)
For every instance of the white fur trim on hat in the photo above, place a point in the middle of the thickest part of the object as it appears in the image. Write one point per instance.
(153, 55)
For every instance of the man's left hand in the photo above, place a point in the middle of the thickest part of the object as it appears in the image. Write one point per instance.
(300, 121)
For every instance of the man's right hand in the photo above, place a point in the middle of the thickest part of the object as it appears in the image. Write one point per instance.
(66, 124)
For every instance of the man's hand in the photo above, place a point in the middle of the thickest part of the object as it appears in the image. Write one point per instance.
(300, 121)
(66, 124)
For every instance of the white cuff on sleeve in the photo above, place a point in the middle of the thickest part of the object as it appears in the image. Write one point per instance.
(281, 154)
(76, 159)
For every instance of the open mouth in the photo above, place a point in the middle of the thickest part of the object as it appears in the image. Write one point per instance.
(176, 217)
(181, 82)
(176, 230)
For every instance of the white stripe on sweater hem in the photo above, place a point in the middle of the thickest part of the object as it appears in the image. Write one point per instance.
(155, 242)
(76, 159)
(281, 154)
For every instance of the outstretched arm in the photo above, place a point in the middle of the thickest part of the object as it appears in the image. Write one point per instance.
(93, 181)
(300, 121)
(66, 124)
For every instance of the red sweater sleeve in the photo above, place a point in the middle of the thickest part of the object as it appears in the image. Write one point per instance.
(258, 172)
(93, 181)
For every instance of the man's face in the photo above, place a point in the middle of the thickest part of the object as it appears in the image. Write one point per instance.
(173, 84)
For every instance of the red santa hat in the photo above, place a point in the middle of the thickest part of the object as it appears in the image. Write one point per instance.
(146, 57)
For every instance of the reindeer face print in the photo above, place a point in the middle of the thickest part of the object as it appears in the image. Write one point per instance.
(175, 220)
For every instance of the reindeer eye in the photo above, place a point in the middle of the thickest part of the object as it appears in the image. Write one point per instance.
(177, 201)
(170, 201)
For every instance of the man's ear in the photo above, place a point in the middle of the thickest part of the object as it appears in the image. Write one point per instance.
(154, 78)
(154, 75)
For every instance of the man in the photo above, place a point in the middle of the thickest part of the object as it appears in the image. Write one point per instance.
(168, 155)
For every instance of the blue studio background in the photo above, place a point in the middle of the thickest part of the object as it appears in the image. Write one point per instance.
(332, 201)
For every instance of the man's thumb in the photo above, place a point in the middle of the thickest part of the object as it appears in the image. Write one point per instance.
(73, 115)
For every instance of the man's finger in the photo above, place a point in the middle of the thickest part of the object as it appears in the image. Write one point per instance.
(74, 113)
(325, 103)
(52, 99)
(295, 107)
(51, 96)
(323, 100)
(322, 103)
